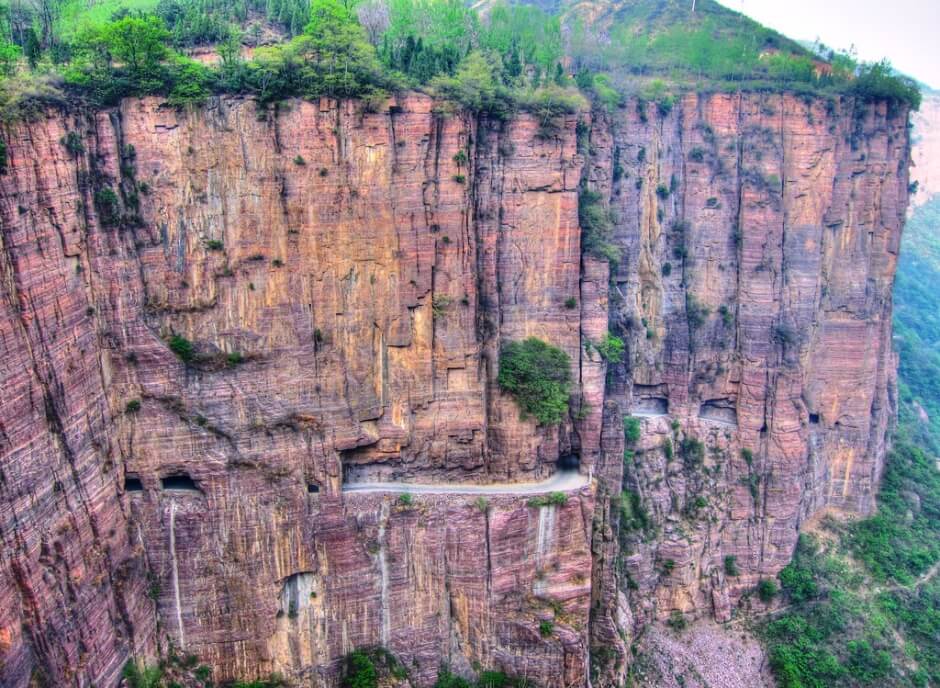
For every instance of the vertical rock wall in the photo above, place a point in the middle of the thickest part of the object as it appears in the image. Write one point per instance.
(346, 279)
(759, 237)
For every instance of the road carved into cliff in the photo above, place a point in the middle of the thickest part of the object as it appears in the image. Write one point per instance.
(562, 481)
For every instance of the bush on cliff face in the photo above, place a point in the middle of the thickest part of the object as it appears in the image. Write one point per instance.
(538, 375)
(371, 667)
(632, 430)
(596, 226)
(141, 676)
(610, 348)
(360, 671)
(766, 590)
(550, 499)
(182, 347)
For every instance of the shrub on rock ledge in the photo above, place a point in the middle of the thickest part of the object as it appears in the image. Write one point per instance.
(538, 375)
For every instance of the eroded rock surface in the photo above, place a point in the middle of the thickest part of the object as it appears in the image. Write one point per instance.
(346, 279)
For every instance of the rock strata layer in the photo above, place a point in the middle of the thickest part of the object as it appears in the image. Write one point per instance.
(213, 319)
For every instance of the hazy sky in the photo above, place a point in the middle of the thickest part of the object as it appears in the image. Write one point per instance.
(907, 32)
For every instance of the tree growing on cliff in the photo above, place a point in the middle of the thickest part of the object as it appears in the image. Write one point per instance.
(122, 57)
(538, 376)
(474, 86)
(331, 58)
(139, 43)
(338, 58)
(878, 82)
(190, 82)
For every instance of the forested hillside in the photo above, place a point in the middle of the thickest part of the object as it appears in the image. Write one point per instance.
(917, 324)
(497, 59)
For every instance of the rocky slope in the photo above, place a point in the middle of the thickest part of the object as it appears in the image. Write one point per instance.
(346, 279)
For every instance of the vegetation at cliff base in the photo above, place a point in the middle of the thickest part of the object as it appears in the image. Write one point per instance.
(486, 679)
(141, 676)
(863, 598)
(538, 376)
(370, 668)
(177, 671)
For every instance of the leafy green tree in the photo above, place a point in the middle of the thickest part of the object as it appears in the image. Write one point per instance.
(474, 86)
(232, 71)
(122, 57)
(524, 35)
(337, 58)
(538, 375)
(359, 671)
(139, 44)
(878, 82)
(9, 55)
(190, 83)
(274, 73)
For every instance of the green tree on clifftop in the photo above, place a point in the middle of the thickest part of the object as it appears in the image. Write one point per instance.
(335, 45)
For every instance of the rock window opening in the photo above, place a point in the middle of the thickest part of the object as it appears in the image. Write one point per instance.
(133, 484)
(178, 482)
(312, 488)
(650, 406)
(719, 411)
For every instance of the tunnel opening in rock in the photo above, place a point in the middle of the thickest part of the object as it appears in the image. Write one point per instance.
(719, 411)
(370, 464)
(133, 484)
(651, 406)
(313, 488)
(650, 400)
(569, 462)
(179, 482)
(814, 418)
(297, 591)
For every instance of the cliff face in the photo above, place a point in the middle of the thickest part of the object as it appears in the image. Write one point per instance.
(759, 239)
(346, 279)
